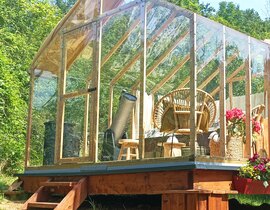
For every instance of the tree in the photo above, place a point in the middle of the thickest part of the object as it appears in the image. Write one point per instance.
(64, 5)
(24, 24)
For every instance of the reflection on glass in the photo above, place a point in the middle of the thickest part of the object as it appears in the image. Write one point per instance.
(113, 4)
(236, 64)
(168, 56)
(209, 54)
(79, 62)
(73, 127)
(120, 65)
(259, 53)
(43, 118)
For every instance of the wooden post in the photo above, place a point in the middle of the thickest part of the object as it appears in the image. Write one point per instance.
(85, 125)
(267, 69)
(142, 77)
(230, 94)
(216, 201)
(247, 150)
(29, 120)
(193, 83)
(94, 121)
(222, 95)
(61, 104)
(110, 106)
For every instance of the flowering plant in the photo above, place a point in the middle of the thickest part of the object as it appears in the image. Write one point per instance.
(235, 119)
(257, 168)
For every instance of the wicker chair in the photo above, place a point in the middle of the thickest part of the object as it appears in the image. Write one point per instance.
(172, 112)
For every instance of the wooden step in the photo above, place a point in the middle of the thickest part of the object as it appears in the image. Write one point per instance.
(44, 205)
(60, 184)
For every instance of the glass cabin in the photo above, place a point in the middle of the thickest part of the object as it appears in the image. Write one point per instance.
(134, 82)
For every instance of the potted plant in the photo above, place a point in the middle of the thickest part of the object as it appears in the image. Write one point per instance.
(253, 178)
(236, 128)
(235, 121)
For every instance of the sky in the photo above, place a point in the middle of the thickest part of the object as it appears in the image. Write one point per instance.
(258, 5)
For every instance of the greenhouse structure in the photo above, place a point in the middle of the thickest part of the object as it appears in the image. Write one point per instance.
(130, 97)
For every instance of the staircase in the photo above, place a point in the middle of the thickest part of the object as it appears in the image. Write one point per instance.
(45, 197)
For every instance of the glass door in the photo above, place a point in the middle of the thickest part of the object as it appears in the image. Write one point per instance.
(76, 99)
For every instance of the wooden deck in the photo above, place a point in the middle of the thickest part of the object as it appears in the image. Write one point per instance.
(183, 185)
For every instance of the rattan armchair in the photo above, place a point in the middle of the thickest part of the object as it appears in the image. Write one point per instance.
(172, 112)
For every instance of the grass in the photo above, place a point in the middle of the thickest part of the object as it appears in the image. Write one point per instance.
(5, 182)
(252, 200)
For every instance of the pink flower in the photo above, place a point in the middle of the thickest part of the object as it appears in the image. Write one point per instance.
(254, 158)
(256, 126)
(260, 167)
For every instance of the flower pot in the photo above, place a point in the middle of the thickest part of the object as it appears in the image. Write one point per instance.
(249, 186)
(234, 147)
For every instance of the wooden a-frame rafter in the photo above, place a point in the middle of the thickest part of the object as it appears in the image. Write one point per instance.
(216, 72)
(174, 71)
(229, 79)
(137, 56)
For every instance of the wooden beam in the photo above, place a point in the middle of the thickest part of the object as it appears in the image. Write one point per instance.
(238, 79)
(231, 94)
(94, 123)
(193, 83)
(267, 95)
(61, 104)
(186, 81)
(214, 92)
(120, 42)
(216, 72)
(79, 48)
(85, 124)
(248, 144)
(122, 39)
(76, 93)
(125, 69)
(143, 17)
(146, 183)
(170, 74)
(29, 120)
(110, 106)
(222, 92)
(137, 56)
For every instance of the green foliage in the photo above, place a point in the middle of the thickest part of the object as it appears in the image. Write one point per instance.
(64, 5)
(23, 26)
(253, 200)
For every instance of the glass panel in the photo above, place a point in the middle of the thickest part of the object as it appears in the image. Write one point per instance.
(79, 49)
(168, 57)
(73, 127)
(168, 54)
(113, 4)
(82, 12)
(79, 46)
(120, 70)
(259, 52)
(209, 54)
(43, 118)
(236, 64)
(209, 61)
